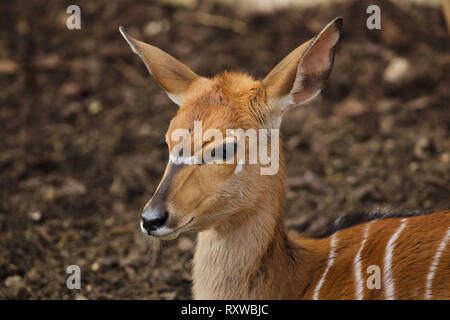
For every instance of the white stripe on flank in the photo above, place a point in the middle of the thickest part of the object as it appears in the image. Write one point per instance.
(388, 279)
(434, 264)
(333, 243)
(358, 266)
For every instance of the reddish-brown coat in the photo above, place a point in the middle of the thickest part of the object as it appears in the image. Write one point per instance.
(243, 250)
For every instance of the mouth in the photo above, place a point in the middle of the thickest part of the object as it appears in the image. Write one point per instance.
(165, 233)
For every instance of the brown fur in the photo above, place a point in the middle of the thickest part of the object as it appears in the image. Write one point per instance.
(244, 253)
(243, 250)
(412, 257)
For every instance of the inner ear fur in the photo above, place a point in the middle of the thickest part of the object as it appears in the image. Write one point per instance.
(172, 75)
(301, 75)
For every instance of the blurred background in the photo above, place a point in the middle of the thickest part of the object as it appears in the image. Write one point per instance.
(81, 123)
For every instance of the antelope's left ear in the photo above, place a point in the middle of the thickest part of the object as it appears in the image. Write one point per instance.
(301, 76)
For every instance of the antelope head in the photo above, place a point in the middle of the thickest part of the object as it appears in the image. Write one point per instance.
(210, 180)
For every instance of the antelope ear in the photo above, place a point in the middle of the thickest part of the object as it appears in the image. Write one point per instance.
(301, 76)
(172, 75)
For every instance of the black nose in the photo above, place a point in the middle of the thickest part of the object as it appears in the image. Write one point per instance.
(153, 220)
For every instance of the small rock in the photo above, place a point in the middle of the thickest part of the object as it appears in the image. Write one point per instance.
(397, 70)
(95, 107)
(8, 67)
(16, 287)
(386, 124)
(14, 282)
(385, 106)
(145, 130)
(117, 187)
(73, 188)
(291, 194)
(80, 297)
(70, 89)
(420, 103)
(413, 166)
(49, 193)
(130, 272)
(95, 266)
(445, 157)
(35, 215)
(153, 28)
(47, 61)
(423, 147)
(350, 108)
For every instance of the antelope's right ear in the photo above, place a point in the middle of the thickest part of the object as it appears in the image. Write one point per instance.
(172, 75)
(300, 76)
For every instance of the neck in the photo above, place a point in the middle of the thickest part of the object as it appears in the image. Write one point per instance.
(250, 260)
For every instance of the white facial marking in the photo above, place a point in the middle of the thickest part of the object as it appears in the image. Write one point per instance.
(182, 160)
(142, 228)
(333, 243)
(435, 263)
(358, 266)
(165, 233)
(388, 278)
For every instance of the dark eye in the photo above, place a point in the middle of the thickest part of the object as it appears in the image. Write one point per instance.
(228, 150)
(231, 150)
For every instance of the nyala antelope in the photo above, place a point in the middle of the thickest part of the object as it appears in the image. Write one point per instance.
(243, 250)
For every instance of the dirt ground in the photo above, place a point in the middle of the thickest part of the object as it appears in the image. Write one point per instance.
(81, 124)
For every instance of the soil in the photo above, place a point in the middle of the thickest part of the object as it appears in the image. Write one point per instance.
(82, 122)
